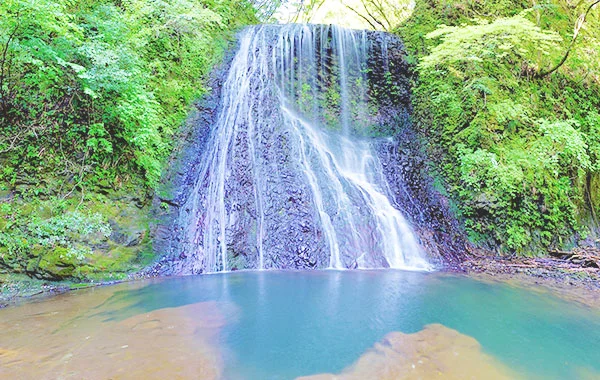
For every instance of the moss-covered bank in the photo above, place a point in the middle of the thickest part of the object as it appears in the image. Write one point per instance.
(517, 151)
(92, 97)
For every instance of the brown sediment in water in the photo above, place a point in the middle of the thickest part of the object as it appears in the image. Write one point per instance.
(434, 352)
(57, 340)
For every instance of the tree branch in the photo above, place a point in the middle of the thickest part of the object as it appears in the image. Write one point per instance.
(380, 9)
(578, 25)
(375, 19)
(2, 66)
(361, 16)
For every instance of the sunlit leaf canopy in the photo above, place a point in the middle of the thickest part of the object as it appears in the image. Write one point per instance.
(356, 14)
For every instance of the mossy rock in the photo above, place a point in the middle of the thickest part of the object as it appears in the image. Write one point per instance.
(35, 255)
(57, 264)
(119, 258)
(114, 264)
(14, 260)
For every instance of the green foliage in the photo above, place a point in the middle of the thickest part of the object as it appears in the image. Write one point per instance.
(590, 128)
(54, 239)
(518, 154)
(489, 42)
(92, 94)
(104, 85)
(64, 230)
(566, 144)
(20, 235)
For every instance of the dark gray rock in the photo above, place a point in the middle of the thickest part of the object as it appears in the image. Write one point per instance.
(294, 238)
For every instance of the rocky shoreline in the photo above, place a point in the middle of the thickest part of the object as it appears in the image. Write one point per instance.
(556, 276)
(15, 291)
(559, 277)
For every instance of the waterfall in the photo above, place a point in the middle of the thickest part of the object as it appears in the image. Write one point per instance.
(290, 177)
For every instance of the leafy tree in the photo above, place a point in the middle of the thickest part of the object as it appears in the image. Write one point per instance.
(489, 42)
(100, 87)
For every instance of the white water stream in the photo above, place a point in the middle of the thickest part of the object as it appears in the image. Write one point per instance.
(280, 83)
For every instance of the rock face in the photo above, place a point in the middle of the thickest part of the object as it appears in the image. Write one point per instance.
(406, 169)
(303, 157)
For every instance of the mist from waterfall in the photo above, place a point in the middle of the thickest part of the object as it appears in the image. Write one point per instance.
(290, 177)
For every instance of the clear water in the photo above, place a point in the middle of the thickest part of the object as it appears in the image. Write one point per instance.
(289, 324)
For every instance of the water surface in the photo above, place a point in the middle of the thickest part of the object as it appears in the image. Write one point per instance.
(281, 325)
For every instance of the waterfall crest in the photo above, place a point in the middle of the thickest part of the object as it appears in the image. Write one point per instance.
(290, 177)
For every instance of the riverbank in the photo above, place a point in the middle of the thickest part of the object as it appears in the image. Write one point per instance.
(16, 288)
(544, 274)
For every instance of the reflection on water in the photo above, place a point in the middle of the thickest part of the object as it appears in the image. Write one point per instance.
(281, 325)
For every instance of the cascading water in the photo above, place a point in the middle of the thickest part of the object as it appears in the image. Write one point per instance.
(289, 177)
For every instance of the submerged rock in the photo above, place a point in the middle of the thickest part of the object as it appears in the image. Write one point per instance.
(175, 342)
(434, 352)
